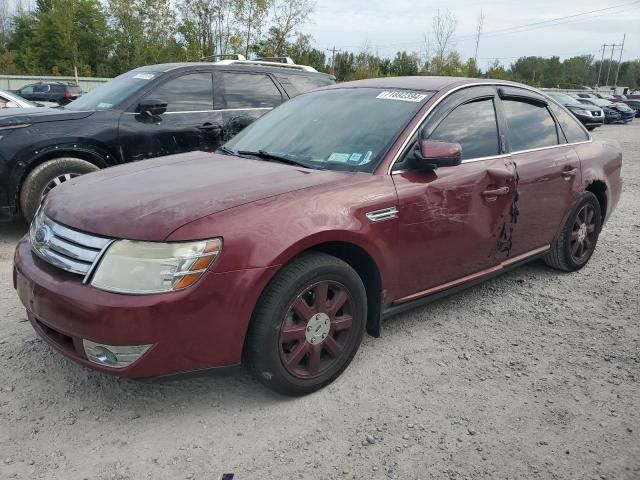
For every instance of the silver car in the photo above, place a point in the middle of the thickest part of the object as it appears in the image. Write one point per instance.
(11, 100)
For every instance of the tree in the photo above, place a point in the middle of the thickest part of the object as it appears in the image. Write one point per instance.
(478, 35)
(404, 64)
(444, 27)
(251, 16)
(288, 16)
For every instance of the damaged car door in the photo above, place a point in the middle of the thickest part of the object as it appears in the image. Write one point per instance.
(456, 222)
(548, 168)
(242, 98)
(176, 116)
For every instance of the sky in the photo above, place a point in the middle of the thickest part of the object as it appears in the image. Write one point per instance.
(385, 27)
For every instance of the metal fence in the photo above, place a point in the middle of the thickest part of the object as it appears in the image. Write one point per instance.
(15, 82)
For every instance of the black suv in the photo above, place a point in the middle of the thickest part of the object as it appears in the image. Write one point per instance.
(148, 112)
(59, 92)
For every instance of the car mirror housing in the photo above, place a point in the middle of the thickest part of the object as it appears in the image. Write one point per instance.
(152, 107)
(433, 154)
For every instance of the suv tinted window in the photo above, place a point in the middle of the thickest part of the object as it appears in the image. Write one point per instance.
(570, 126)
(473, 125)
(187, 93)
(40, 88)
(296, 84)
(246, 90)
(530, 125)
(26, 90)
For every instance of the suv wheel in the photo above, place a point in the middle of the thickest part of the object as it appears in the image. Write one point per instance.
(46, 176)
(308, 325)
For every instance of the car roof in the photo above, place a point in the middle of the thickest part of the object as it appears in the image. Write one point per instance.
(426, 83)
(168, 67)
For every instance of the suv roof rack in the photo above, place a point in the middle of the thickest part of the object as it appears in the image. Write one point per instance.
(231, 56)
(287, 60)
(304, 68)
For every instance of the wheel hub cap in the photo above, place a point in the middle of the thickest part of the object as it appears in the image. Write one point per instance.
(582, 232)
(317, 328)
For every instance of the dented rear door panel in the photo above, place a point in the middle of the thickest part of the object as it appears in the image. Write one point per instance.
(548, 182)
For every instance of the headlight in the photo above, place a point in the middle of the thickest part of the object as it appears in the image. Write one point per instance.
(148, 267)
(580, 111)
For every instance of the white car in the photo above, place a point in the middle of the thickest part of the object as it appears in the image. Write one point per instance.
(11, 100)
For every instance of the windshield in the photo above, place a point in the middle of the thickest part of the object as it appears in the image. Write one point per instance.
(112, 93)
(339, 129)
(563, 98)
(600, 102)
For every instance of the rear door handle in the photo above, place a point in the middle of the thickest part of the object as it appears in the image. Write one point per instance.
(491, 195)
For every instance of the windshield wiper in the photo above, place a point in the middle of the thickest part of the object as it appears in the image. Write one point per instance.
(272, 156)
(225, 150)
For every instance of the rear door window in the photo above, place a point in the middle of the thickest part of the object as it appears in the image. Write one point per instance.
(238, 90)
(530, 125)
(571, 127)
(473, 125)
(294, 84)
(192, 92)
(41, 88)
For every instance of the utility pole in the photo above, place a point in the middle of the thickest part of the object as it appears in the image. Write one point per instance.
(333, 58)
(613, 47)
(615, 83)
(604, 45)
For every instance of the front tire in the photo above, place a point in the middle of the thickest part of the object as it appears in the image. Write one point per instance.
(46, 176)
(577, 239)
(308, 325)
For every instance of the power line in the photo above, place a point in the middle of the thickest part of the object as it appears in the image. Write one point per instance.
(544, 22)
(525, 27)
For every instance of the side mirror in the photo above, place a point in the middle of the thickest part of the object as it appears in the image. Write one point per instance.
(434, 154)
(152, 107)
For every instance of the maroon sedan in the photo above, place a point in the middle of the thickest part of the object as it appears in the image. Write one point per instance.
(341, 207)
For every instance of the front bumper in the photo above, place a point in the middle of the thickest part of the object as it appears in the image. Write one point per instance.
(589, 121)
(201, 327)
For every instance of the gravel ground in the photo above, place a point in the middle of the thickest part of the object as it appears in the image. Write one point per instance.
(532, 375)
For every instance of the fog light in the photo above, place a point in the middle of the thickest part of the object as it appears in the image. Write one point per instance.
(113, 356)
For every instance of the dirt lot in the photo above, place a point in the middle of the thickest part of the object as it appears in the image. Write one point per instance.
(533, 375)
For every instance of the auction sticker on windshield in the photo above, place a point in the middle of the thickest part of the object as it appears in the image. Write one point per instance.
(402, 96)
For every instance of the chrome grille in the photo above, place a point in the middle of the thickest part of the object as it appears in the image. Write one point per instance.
(65, 248)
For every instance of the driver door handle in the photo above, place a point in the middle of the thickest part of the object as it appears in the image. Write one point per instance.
(491, 195)
(572, 172)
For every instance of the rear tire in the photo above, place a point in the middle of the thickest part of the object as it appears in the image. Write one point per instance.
(307, 326)
(46, 176)
(579, 235)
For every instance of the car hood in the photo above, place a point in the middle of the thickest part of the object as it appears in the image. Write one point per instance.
(579, 105)
(38, 115)
(148, 200)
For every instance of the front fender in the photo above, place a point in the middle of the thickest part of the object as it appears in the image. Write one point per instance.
(273, 231)
(30, 157)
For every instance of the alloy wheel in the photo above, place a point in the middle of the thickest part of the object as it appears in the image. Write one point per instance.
(583, 233)
(316, 329)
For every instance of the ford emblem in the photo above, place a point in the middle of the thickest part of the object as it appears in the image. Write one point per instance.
(42, 235)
